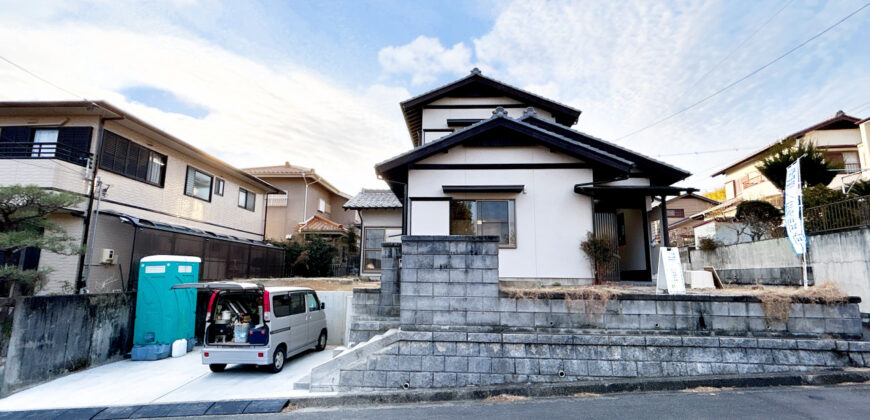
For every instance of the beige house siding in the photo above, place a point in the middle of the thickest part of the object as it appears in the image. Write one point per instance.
(61, 278)
(283, 220)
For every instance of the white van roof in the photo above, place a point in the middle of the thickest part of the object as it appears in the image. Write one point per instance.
(170, 258)
(289, 289)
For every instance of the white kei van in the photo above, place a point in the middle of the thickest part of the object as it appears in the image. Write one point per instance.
(247, 323)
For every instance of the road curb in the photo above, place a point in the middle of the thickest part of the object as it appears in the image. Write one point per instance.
(224, 407)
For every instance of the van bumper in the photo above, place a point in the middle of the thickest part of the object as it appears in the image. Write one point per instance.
(241, 356)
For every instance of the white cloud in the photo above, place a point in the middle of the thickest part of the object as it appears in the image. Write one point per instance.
(257, 115)
(625, 65)
(425, 59)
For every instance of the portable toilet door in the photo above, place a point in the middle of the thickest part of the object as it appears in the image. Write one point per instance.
(164, 315)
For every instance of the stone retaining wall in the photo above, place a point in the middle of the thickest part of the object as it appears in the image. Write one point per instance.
(433, 359)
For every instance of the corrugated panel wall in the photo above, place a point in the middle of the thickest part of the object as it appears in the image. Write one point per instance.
(605, 227)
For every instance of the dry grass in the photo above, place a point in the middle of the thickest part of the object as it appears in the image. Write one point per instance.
(323, 284)
(777, 300)
(504, 398)
(705, 389)
(587, 395)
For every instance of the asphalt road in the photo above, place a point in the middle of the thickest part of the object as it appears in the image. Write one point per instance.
(833, 402)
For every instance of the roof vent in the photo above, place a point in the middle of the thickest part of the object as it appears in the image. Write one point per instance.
(530, 112)
(476, 71)
(839, 113)
(499, 112)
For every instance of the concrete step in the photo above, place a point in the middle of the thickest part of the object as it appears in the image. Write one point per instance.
(303, 383)
(325, 377)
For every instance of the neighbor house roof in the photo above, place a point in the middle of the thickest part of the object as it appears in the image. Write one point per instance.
(478, 85)
(838, 121)
(318, 223)
(688, 195)
(121, 117)
(373, 199)
(293, 171)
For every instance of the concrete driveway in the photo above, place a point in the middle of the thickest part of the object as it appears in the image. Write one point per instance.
(169, 380)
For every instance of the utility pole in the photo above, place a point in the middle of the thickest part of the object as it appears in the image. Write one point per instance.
(101, 192)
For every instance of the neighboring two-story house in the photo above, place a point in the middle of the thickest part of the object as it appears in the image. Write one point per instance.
(144, 192)
(307, 206)
(839, 137)
(680, 210)
(492, 159)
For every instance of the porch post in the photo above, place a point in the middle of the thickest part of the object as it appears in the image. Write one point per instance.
(666, 240)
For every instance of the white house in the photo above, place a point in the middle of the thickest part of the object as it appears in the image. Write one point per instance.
(492, 159)
(380, 214)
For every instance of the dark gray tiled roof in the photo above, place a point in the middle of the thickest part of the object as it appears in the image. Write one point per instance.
(373, 199)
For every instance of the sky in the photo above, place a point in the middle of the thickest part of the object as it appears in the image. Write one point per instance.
(318, 83)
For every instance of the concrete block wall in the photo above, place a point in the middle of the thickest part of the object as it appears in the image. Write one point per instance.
(391, 255)
(434, 359)
(449, 280)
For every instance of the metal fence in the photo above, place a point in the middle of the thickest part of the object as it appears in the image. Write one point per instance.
(847, 214)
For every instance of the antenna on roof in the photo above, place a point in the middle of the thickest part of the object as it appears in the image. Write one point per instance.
(499, 112)
(476, 71)
(530, 112)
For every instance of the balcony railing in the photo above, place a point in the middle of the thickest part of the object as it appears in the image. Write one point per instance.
(847, 214)
(277, 201)
(28, 150)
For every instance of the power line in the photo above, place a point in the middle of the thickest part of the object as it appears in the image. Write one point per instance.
(730, 53)
(702, 152)
(750, 74)
(42, 78)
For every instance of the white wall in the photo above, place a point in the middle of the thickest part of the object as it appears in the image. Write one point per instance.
(551, 220)
(430, 217)
(336, 315)
(437, 118)
(380, 218)
(62, 278)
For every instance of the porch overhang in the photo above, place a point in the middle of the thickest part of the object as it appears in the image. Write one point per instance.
(637, 190)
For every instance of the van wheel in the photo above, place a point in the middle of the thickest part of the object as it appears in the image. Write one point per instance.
(278, 360)
(217, 367)
(321, 341)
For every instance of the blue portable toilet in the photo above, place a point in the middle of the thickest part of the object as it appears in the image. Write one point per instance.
(164, 315)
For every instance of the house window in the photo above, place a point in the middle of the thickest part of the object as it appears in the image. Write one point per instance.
(484, 217)
(219, 187)
(44, 142)
(126, 158)
(676, 213)
(198, 184)
(372, 249)
(247, 199)
(321, 206)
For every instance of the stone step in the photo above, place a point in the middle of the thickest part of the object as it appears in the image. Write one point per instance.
(325, 377)
(303, 383)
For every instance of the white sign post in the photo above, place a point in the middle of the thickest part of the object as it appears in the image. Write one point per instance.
(794, 214)
(669, 278)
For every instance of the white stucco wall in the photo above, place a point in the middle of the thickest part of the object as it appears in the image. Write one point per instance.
(551, 220)
(430, 217)
(437, 118)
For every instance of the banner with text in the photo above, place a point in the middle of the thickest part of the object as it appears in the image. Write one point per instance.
(794, 220)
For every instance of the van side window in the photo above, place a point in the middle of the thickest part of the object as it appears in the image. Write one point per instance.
(281, 305)
(313, 302)
(297, 304)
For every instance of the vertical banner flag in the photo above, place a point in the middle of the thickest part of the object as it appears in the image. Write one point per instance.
(794, 220)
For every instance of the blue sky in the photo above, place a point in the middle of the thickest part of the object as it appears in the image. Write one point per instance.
(317, 83)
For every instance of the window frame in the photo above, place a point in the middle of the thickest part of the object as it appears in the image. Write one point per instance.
(248, 195)
(275, 304)
(219, 186)
(363, 248)
(316, 301)
(151, 154)
(681, 213)
(304, 303)
(211, 177)
(513, 221)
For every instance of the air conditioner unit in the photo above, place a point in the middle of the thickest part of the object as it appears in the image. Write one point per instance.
(108, 256)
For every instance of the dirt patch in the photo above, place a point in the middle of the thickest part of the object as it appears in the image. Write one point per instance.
(290, 408)
(504, 398)
(587, 395)
(323, 284)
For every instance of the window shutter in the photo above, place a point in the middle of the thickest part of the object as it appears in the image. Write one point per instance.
(14, 135)
(78, 138)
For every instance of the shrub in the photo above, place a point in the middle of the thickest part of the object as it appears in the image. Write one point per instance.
(707, 244)
(814, 169)
(759, 217)
(601, 252)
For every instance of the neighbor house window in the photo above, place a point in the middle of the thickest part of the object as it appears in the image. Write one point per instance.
(321, 205)
(219, 187)
(44, 142)
(676, 213)
(372, 249)
(124, 157)
(198, 184)
(484, 217)
(247, 199)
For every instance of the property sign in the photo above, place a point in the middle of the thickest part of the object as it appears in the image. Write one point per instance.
(794, 214)
(670, 272)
